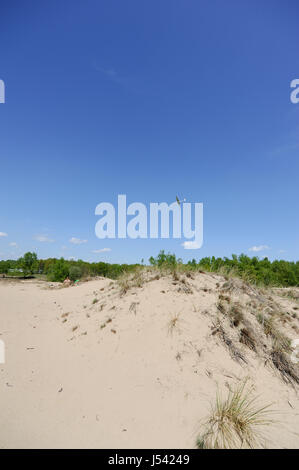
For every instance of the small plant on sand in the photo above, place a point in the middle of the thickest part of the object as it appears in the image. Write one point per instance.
(221, 306)
(95, 301)
(129, 280)
(236, 315)
(137, 279)
(124, 284)
(234, 422)
(173, 322)
(280, 341)
(247, 337)
(289, 372)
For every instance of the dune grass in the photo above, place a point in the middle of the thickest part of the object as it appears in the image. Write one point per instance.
(235, 422)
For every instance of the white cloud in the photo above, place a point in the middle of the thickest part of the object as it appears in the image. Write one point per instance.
(77, 241)
(13, 244)
(190, 245)
(43, 238)
(259, 248)
(3, 234)
(102, 250)
(282, 251)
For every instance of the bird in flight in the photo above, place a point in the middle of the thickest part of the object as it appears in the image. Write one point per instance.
(178, 201)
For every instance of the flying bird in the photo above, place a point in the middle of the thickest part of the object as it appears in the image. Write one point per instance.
(178, 201)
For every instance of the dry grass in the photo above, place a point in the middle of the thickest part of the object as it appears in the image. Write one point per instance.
(233, 350)
(235, 314)
(247, 337)
(133, 307)
(234, 422)
(129, 280)
(280, 340)
(173, 323)
(281, 361)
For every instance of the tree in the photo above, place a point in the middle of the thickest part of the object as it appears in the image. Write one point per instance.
(4, 267)
(75, 272)
(28, 263)
(58, 271)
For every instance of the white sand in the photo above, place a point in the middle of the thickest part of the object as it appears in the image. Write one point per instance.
(131, 384)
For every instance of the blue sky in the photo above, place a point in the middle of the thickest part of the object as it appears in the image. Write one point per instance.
(149, 99)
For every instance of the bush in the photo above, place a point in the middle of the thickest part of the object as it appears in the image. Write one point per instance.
(75, 272)
(58, 271)
(4, 267)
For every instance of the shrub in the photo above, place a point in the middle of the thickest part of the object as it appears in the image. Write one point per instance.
(59, 271)
(75, 272)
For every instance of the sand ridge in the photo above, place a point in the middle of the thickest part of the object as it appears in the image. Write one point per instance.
(90, 366)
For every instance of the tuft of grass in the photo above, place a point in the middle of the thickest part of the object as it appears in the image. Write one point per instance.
(234, 422)
(280, 341)
(281, 361)
(173, 322)
(225, 298)
(124, 284)
(133, 307)
(233, 350)
(129, 280)
(247, 337)
(221, 306)
(95, 301)
(236, 315)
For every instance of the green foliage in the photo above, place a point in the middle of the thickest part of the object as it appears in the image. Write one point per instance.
(58, 271)
(278, 273)
(164, 260)
(75, 272)
(4, 267)
(261, 272)
(28, 263)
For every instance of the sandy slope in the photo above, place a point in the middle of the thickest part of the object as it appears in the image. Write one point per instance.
(125, 377)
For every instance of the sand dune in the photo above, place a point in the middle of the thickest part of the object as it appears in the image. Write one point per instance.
(105, 365)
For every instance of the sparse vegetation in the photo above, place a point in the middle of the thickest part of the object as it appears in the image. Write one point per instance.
(235, 313)
(130, 280)
(280, 341)
(282, 362)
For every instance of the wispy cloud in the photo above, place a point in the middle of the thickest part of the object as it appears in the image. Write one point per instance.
(3, 234)
(77, 241)
(43, 239)
(190, 245)
(259, 248)
(102, 250)
(13, 244)
(129, 83)
(109, 72)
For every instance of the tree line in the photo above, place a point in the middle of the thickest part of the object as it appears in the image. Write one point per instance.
(57, 270)
(254, 270)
